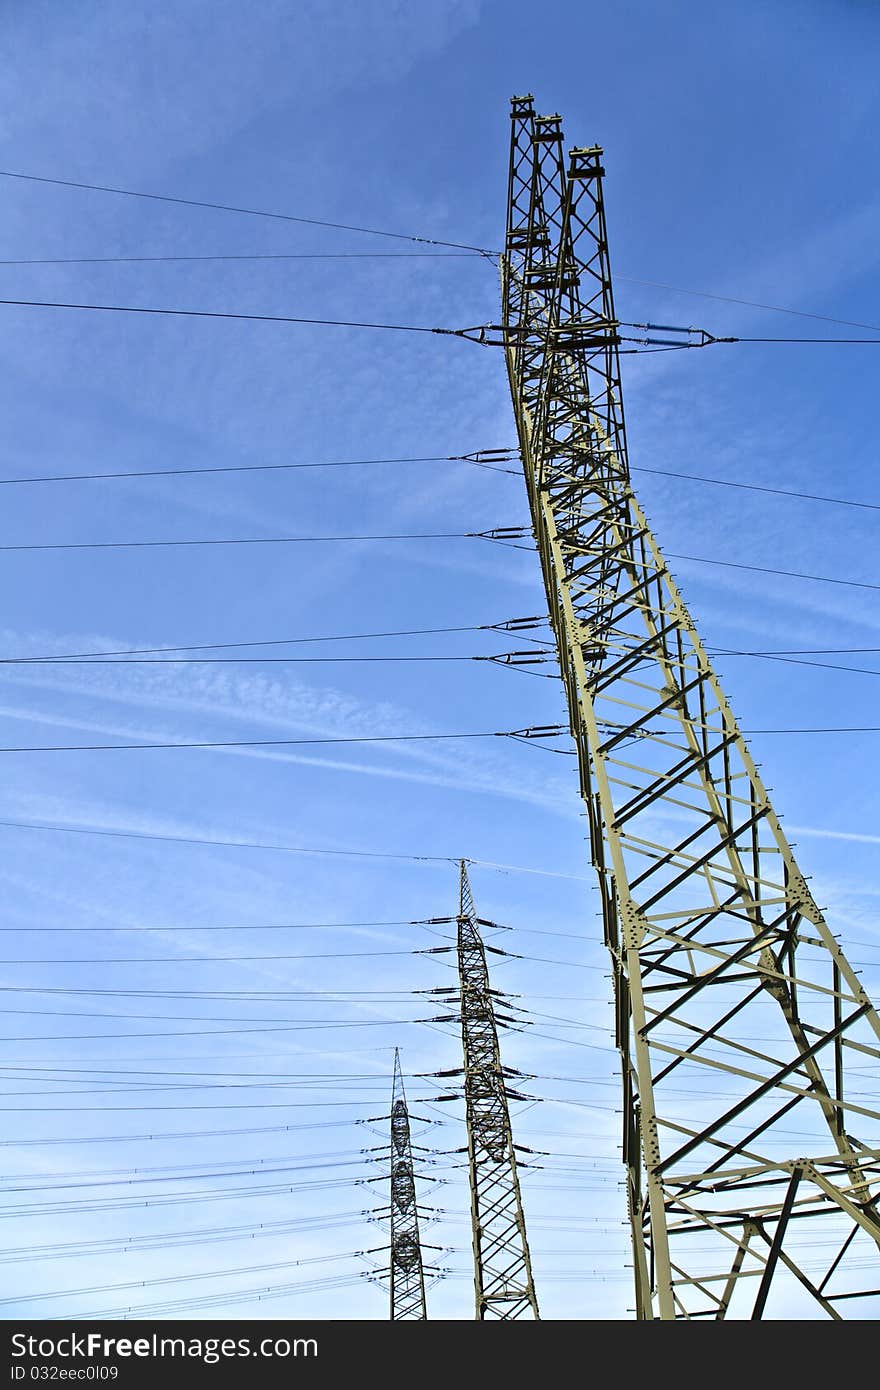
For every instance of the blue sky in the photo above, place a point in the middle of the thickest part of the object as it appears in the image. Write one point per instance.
(741, 161)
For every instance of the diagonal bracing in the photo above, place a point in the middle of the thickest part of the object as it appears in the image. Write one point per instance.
(504, 1286)
(751, 1138)
(407, 1279)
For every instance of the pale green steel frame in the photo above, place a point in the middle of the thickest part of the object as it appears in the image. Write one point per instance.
(752, 1154)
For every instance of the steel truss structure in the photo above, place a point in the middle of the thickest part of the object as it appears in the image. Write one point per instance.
(751, 1150)
(407, 1279)
(503, 1282)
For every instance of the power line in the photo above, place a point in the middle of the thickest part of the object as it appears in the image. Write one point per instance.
(249, 743)
(243, 926)
(372, 231)
(247, 212)
(260, 1025)
(404, 255)
(378, 738)
(229, 314)
(749, 303)
(271, 642)
(495, 657)
(191, 1172)
(755, 487)
(166, 1239)
(243, 1057)
(401, 255)
(297, 1026)
(407, 255)
(841, 729)
(765, 569)
(480, 334)
(800, 661)
(194, 1171)
(180, 1278)
(863, 341)
(398, 536)
(225, 1235)
(256, 1294)
(263, 256)
(250, 996)
(692, 338)
(319, 851)
(340, 226)
(246, 540)
(200, 960)
(175, 1134)
(62, 1074)
(343, 997)
(221, 1105)
(475, 459)
(229, 844)
(200, 1194)
(402, 536)
(800, 651)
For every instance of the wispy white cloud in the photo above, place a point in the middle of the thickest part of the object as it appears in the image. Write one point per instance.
(267, 57)
(547, 794)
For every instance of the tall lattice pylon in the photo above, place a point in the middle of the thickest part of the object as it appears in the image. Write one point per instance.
(503, 1282)
(749, 1137)
(407, 1276)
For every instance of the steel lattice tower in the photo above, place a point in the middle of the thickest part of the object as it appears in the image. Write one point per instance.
(407, 1279)
(503, 1281)
(751, 1157)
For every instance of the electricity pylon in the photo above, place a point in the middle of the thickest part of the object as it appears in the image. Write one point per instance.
(751, 1152)
(407, 1274)
(503, 1282)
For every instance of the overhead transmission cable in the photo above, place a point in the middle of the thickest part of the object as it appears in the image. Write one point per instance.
(259, 256)
(178, 1278)
(509, 536)
(767, 569)
(478, 458)
(409, 255)
(175, 1134)
(160, 1240)
(488, 335)
(250, 540)
(756, 487)
(318, 851)
(243, 926)
(234, 315)
(371, 739)
(480, 251)
(496, 658)
(518, 625)
(244, 211)
(259, 742)
(491, 459)
(749, 303)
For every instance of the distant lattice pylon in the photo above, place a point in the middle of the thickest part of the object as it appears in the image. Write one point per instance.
(407, 1276)
(750, 1137)
(503, 1280)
